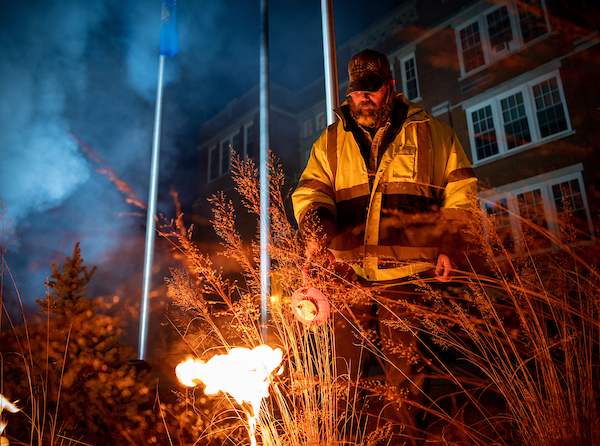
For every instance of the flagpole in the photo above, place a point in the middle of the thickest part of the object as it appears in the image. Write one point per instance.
(169, 44)
(332, 96)
(265, 227)
(150, 225)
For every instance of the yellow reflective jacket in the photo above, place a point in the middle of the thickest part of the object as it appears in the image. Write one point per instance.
(396, 221)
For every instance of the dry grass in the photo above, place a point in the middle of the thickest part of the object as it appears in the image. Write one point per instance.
(526, 332)
(514, 350)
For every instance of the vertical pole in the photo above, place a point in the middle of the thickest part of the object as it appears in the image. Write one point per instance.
(265, 227)
(149, 250)
(331, 78)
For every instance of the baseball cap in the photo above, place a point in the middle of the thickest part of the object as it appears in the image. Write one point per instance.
(367, 71)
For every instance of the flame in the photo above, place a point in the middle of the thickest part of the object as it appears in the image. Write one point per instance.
(242, 373)
(5, 405)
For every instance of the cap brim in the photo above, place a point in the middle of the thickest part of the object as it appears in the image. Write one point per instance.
(371, 82)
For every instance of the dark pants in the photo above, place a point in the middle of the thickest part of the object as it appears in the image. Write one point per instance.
(380, 337)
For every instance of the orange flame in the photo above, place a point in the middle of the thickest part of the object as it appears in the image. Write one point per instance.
(242, 373)
(5, 405)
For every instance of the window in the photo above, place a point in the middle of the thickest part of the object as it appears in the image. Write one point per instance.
(535, 216)
(410, 83)
(213, 163)
(471, 47)
(308, 128)
(486, 144)
(321, 122)
(499, 214)
(531, 19)
(549, 108)
(515, 121)
(571, 209)
(532, 210)
(219, 157)
(249, 140)
(500, 31)
(517, 118)
(503, 28)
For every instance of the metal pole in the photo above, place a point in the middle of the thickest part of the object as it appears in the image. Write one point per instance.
(149, 252)
(265, 226)
(331, 78)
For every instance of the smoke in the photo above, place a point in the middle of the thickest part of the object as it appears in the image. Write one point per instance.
(41, 165)
(90, 69)
(64, 72)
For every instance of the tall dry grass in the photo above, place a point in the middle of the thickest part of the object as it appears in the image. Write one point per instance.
(222, 312)
(513, 350)
(531, 325)
(516, 346)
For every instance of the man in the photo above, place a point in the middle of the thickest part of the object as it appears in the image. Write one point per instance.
(391, 191)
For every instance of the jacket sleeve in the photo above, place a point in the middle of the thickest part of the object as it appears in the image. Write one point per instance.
(314, 198)
(457, 184)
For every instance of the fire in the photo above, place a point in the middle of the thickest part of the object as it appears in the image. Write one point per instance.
(242, 373)
(5, 405)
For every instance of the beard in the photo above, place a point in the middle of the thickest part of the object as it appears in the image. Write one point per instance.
(367, 114)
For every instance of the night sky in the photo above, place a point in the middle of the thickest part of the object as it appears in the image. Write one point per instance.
(87, 71)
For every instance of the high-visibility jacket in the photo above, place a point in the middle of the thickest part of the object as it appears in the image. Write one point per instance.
(396, 221)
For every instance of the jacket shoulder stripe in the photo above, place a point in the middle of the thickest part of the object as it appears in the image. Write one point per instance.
(461, 174)
(317, 186)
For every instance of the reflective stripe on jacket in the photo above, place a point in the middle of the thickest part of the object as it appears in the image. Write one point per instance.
(397, 222)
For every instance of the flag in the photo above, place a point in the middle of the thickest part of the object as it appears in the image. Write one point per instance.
(169, 42)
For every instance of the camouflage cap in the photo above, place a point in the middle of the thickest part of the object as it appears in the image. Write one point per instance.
(367, 71)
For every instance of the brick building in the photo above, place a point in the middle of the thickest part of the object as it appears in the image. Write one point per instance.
(517, 79)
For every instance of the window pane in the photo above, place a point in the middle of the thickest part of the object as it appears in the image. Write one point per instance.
(515, 121)
(410, 74)
(472, 49)
(250, 141)
(308, 128)
(485, 134)
(213, 162)
(235, 143)
(531, 19)
(550, 109)
(499, 29)
(501, 232)
(322, 122)
(571, 209)
(225, 155)
(531, 208)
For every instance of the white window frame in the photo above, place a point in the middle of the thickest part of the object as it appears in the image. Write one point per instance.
(544, 183)
(490, 54)
(403, 60)
(531, 113)
(229, 142)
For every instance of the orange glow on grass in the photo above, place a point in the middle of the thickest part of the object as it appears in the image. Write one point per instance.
(242, 373)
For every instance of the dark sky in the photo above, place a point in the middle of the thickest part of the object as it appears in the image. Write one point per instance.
(88, 70)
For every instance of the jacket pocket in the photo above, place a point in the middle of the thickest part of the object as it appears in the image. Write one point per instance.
(403, 165)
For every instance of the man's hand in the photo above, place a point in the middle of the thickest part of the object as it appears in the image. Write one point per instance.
(317, 254)
(313, 249)
(445, 268)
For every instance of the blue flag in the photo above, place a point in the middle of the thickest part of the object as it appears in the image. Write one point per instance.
(169, 42)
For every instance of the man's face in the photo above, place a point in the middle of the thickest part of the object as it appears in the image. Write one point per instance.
(369, 108)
